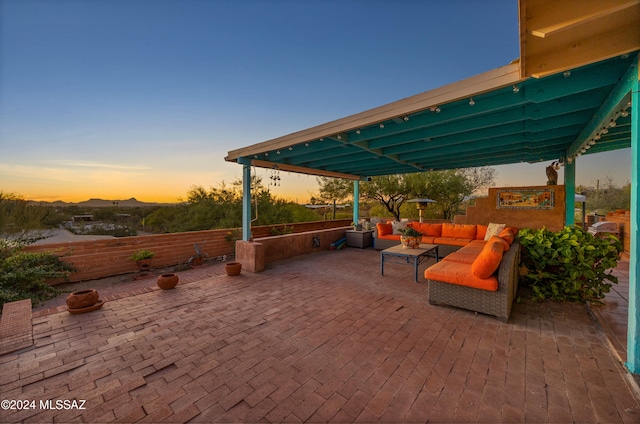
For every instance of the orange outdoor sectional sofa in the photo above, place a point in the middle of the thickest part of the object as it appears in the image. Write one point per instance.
(479, 266)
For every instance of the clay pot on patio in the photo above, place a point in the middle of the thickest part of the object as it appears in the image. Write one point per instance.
(82, 299)
(167, 281)
(233, 268)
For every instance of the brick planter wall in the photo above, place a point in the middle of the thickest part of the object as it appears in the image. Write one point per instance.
(108, 257)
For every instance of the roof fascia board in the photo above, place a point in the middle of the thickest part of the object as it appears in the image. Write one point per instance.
(473, 86)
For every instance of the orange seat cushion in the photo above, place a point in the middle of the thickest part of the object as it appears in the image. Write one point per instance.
(452, 241)
(467, 254)
(466, 231)
(460, 274)
(428, 240)
(390, 237)
(489, 258)
(384, 228)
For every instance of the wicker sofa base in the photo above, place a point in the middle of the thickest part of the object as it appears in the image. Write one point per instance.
(497, 303)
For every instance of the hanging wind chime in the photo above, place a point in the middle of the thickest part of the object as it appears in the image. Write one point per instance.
(275, 177)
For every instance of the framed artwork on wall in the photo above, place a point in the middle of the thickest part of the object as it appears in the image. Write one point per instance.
(538, 199)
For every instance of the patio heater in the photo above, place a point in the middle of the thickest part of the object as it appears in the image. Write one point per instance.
(421, 205)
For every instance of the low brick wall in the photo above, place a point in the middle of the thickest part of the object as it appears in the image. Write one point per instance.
(108, 257)
(287, 246)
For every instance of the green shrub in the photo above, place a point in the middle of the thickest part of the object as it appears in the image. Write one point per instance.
(570, 264)
(23, 274)
(142, 254)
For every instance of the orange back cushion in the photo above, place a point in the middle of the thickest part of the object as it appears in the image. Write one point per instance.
(431, 230)
(459, 230)
(489, 259)
(481, 230)
(384, 228)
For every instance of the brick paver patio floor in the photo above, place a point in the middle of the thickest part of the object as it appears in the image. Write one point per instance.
(318, 338)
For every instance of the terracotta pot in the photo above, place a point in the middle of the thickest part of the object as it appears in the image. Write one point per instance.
(82, 299)
(167, 281)
(410, 242)
(144, 264)
(233, 268)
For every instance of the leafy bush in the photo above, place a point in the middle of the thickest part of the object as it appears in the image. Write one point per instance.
(23, 274)
(570, 264)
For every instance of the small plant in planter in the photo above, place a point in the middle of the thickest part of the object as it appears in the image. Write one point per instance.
(410, 237)
(143, 258)
(199, 257)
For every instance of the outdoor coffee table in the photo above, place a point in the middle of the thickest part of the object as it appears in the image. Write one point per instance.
(398, 254)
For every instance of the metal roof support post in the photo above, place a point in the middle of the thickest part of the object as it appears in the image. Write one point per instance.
(246, 198)
(356, 201)
(633, 338)
(569, 192)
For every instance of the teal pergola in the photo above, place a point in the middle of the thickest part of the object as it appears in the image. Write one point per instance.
(508, 115)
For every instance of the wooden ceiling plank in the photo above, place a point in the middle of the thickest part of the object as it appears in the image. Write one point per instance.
(582, 20)
(302, 170)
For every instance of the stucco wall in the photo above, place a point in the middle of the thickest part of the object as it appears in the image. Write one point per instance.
(486, 211)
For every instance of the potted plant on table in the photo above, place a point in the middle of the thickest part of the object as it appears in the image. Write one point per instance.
(143, 259)
(410, 238)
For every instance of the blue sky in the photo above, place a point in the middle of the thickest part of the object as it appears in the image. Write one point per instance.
(144, 98)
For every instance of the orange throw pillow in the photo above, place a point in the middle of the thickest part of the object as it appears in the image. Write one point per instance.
(384, 228)
(508, 235)
(488, 260)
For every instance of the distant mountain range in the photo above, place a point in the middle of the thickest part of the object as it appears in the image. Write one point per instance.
(102, 203)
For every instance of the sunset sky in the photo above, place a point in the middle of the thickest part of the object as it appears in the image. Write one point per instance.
(144, 98)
